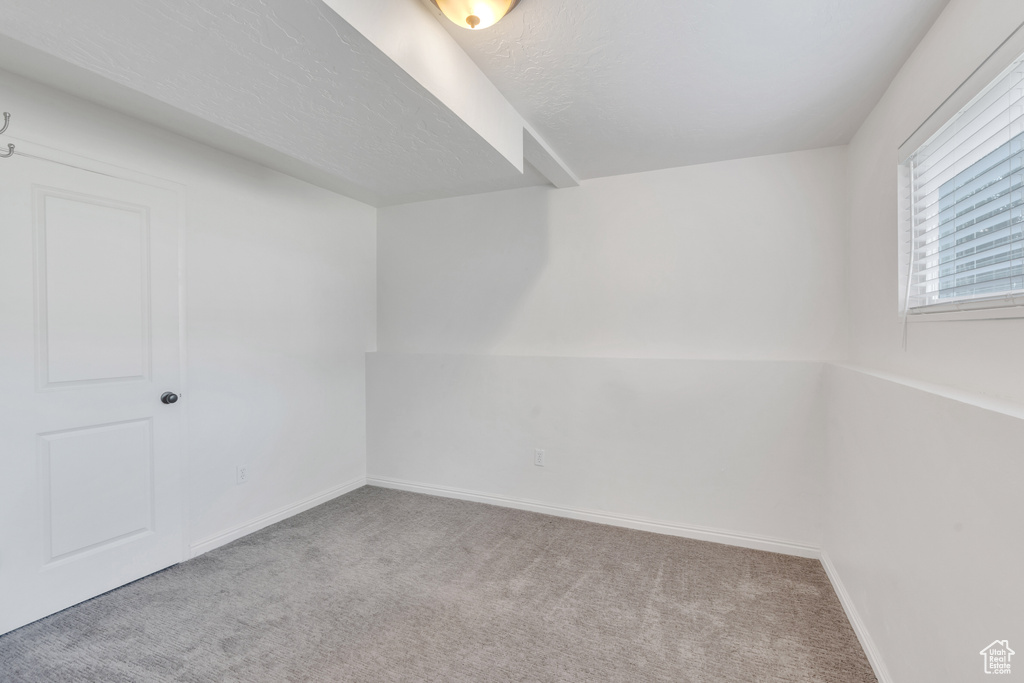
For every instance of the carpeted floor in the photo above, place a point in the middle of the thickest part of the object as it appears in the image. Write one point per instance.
(382, 585)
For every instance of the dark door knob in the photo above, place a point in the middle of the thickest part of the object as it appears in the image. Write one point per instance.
(169, 398)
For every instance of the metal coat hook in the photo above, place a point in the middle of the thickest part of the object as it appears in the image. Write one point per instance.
(10, 148)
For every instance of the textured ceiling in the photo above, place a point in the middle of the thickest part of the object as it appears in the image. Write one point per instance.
(288, 74)
(620, 87)
(612, 87)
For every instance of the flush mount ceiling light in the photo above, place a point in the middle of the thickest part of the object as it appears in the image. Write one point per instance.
(475, 14)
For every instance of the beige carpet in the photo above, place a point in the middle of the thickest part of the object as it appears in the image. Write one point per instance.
(382, 585)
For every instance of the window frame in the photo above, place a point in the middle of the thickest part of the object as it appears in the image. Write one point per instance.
(1009, 304)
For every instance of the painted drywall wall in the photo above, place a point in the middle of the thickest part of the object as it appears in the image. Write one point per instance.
(924, 519)
(280, 284)
(606, 324)
(739, 259)
(280, 314)
(982, 356)
(694, 445)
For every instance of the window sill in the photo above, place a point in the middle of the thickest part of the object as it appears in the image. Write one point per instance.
(979, 311)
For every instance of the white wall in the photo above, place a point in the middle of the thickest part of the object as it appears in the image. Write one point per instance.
(280, 314)
(739, 259)
(627, 304)
(924, 520)
(923, 515)
(280, 279)
(983, 356)
(726, 447)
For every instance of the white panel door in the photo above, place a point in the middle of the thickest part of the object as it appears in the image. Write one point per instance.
(90, 456)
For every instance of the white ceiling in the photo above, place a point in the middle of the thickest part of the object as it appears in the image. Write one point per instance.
(612, 87)
(288, 75)
(619, 87)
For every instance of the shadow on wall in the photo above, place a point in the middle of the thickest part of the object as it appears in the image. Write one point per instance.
(667, 264)
(476, 259)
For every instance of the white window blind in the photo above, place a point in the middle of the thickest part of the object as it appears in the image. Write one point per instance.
(964, 230)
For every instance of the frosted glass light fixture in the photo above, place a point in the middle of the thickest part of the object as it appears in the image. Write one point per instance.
(475, 14)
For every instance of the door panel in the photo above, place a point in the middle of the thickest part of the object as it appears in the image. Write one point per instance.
(90, 461)
(93, 271)
(79, 520)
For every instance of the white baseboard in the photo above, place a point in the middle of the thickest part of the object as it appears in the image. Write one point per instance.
(866, 642)
(208, 544)
(774, 545)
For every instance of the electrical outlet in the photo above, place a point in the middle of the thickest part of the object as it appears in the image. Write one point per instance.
(242, 474)
(538, 457)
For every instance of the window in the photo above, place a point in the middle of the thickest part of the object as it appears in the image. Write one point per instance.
(963, 206)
